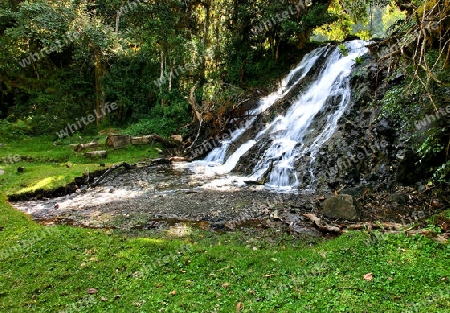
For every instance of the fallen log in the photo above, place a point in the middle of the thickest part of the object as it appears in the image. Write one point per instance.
(82, 146)
(143, 140)
(100, 153)
(165, 142)
(322, 226)
(370, 226)
(177, 159)
(118, 141)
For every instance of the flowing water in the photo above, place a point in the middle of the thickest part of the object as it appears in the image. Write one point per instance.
(286, 133)
(200, 191)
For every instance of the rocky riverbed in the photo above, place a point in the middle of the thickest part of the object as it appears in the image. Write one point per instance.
(163, 196)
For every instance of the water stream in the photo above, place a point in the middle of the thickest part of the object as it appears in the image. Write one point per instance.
(286, 133)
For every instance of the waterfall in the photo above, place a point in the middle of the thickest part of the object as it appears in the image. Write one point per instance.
(288, 131)
(287, 137)
(218, 155)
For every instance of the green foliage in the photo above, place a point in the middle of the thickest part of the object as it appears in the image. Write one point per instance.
(364, 19)
(205, 44)
(163, 120)
(359, 60)
(414, 102)
(442, 172)
(131, 268)
(433, 151)
(399, 106)
(432, 145)
(130, 83)
(393, 16)
(317, 16)
(15, 130)
(343, 50)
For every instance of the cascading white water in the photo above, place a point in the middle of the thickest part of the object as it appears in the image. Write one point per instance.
(286, 134)
(288, 131)
(217, 155)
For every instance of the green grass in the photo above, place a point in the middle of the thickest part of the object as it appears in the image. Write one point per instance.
(49, 164)
(50, 269)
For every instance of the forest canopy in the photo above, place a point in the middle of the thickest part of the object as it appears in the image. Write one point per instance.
(165, 63)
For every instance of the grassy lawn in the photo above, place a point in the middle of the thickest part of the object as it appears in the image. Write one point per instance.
(48, 165)
(67, 269)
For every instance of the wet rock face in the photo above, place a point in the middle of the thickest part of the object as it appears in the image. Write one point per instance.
(249, 160)
(340, 206)
(365, 150)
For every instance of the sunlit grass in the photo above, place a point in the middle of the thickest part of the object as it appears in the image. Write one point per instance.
(48, 165)
(43, 184)
(152, 272)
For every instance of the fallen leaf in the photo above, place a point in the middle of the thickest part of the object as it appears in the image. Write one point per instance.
(173, 293)
(92, 291)
(368, 276)
(103, 299)
(225, 285)
(239, 307)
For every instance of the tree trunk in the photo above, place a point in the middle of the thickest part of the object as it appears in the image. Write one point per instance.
(101, 153)
(117, 22)
(202, 82)
(99, 99)
(171, 75)
(193, 103)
